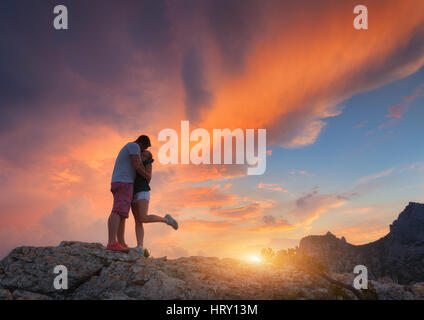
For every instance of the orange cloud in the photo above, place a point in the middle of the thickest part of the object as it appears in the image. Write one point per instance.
(64, 177)
(271, 224)
(362, 234)
(227, 186)
(270, 186)
(291, 80)
(205, 225)
(190, 197)
(182, 174)
(310, 206)
(72, 220)
(239, 213)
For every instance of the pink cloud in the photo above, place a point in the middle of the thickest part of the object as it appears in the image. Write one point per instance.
(395, 113)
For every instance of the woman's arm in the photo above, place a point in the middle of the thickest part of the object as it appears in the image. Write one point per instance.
(149, 169)
(141, 170)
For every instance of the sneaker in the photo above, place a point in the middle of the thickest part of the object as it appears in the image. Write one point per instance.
(171, 221)
(116, 247)
(139, 250)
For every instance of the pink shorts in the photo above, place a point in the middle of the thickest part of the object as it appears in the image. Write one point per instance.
(122, 196)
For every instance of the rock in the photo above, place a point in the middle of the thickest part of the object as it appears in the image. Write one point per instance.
(31, 269)
(27, 295)
(398, 256)
(408, 228)
(418, 290)
(94, 273)
(161, 286)
(5, 294)
(387, 290)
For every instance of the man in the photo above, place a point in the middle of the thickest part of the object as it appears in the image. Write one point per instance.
(127, 165)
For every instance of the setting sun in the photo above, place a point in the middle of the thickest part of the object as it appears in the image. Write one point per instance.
(254, 258)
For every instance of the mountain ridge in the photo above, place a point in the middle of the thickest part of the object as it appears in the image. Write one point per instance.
(399, 255)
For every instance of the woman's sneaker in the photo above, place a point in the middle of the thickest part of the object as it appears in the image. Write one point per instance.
(171, 221)
(138, 249)
(141, 251)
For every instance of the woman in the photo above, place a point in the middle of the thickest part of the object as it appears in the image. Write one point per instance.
(140, 203)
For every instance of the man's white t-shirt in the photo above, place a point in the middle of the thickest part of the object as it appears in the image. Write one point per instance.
(123, 170)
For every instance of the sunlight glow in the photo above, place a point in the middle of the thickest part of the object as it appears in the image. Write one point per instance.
(254, 259)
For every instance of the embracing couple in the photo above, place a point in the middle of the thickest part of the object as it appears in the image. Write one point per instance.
(130, 188)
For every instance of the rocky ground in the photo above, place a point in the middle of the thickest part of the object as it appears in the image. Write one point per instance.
(94, 273)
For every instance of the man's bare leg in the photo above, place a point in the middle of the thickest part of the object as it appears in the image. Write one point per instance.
(121, 231)
(113, 225)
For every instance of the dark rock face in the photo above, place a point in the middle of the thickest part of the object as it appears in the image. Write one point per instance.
(399, 255)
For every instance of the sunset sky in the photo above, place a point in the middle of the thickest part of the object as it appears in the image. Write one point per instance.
(343, 110)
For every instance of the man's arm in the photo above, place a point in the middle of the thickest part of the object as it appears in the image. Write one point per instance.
(138, 166)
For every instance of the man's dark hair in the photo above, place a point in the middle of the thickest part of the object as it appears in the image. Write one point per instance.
(144, 141)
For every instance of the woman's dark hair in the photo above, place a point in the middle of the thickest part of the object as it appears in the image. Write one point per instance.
(144, 141)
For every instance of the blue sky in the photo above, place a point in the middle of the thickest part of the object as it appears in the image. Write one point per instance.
(353, 146)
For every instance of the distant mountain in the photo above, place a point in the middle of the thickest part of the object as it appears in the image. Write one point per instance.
(399, 255)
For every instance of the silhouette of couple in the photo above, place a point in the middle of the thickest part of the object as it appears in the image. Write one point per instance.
(130, 188)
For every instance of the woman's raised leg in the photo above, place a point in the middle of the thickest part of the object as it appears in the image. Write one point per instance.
(142, 210)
